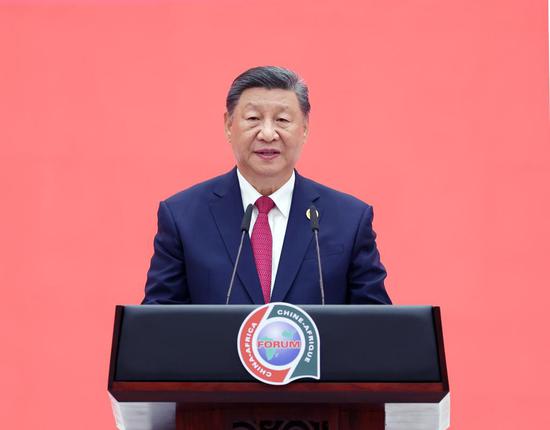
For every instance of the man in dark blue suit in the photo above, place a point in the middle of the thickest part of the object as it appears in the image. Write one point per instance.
(199, 229)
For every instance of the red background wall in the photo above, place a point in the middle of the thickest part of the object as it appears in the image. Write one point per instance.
(434, 112)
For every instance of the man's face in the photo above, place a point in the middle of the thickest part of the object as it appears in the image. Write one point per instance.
(267, 131)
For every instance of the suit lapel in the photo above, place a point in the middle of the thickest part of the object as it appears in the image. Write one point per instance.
(297, 238)
(228, 212)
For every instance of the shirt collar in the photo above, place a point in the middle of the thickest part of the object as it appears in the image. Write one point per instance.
(282, 197)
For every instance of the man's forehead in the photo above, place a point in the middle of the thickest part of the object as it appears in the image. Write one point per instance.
(264, 97)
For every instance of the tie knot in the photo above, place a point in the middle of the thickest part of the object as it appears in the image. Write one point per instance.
(264, 204)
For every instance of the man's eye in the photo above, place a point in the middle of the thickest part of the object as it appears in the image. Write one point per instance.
(252, 118)
(282, 120)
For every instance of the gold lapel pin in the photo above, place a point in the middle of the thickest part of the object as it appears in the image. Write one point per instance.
(308, 214)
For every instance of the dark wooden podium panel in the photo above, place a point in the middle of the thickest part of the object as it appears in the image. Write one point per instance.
(233, 393)
(279, 417)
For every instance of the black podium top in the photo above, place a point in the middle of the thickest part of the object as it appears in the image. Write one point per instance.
(198, 343)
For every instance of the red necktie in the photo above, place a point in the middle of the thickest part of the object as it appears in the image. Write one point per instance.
(262, 245)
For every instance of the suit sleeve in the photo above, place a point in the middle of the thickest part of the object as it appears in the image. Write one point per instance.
(366, 273)
(166, 278)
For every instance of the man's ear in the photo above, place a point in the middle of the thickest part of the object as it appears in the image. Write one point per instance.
(227, 120)
(306, 128)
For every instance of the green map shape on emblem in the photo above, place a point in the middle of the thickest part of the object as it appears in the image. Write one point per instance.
(309, 362)
(273, 352)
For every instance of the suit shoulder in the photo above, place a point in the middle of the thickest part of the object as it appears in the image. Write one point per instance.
(195, 192)
(339, 197)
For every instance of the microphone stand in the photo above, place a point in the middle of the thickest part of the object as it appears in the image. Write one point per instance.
(245, 226)
(315, 227)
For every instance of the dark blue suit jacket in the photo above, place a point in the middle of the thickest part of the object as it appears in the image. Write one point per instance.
(199, 234)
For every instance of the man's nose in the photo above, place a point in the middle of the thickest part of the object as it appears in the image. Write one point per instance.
(267, 132)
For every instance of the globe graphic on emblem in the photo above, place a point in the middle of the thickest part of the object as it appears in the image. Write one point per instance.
(278, 343)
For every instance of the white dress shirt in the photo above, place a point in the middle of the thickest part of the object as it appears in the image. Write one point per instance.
(277, 217)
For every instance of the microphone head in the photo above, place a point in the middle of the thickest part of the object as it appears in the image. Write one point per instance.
(245, 225)
(314, 218)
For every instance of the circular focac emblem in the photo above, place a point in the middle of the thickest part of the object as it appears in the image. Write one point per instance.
(278, 343)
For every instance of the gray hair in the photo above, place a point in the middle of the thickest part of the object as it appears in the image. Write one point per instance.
(269, 77)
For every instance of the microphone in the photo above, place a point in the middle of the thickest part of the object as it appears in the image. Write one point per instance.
(314, 218)
(245, 226)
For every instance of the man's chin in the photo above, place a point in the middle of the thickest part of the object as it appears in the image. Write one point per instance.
(265, 171)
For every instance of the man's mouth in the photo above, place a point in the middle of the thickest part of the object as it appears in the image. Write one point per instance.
(267, 154)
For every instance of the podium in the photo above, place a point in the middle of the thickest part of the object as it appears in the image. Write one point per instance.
(177, 367)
